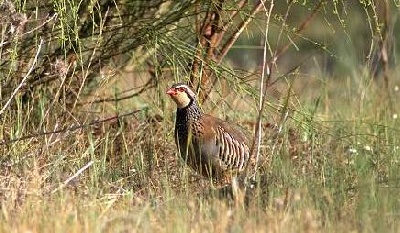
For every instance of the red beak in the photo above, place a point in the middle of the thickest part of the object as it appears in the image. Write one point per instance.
(171, 91)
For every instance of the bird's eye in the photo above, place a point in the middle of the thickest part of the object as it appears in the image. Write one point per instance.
(182, 89)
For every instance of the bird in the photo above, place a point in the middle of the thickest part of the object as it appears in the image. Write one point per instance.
(209, 145)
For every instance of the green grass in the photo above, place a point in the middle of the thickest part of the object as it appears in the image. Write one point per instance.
(333, 168)
(343, 175)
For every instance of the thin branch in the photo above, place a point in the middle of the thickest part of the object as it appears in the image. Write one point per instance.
(283, 28)
(266, 73)
(304, 24)
(149, 84)
(24, 79)
(213, 39)
(66, 129)
(54, 16)
(201, 43)
(211, 36)
(66, 182)
(224, 29)
(236, 35)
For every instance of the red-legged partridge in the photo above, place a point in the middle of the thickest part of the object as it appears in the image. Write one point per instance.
(209, 145)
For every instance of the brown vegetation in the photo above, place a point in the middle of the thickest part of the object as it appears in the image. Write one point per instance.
(87, 130)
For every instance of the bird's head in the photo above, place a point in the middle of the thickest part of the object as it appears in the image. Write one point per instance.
(181, 94)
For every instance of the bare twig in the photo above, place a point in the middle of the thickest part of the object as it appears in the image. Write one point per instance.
(211, 34)
(233, 15)
(66, 182)
(236, 35)
(54, 16)
(265, 77)
(24, 79)
(72, 128)
(385, 49)
(149, 84)
(304, 24)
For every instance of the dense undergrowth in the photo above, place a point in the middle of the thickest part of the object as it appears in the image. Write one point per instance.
(333, 172)
(87, 130)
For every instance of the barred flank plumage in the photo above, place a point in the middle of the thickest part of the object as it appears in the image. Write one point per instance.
(233, 153)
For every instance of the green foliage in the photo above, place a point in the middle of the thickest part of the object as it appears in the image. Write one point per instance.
(332, 166)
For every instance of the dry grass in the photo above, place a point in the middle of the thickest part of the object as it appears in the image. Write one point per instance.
(333, 166)
(334, 172)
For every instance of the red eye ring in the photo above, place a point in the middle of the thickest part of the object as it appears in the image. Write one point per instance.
(182, 89)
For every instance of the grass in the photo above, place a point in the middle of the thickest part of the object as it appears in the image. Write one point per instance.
(341, 173)
(334, 167)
